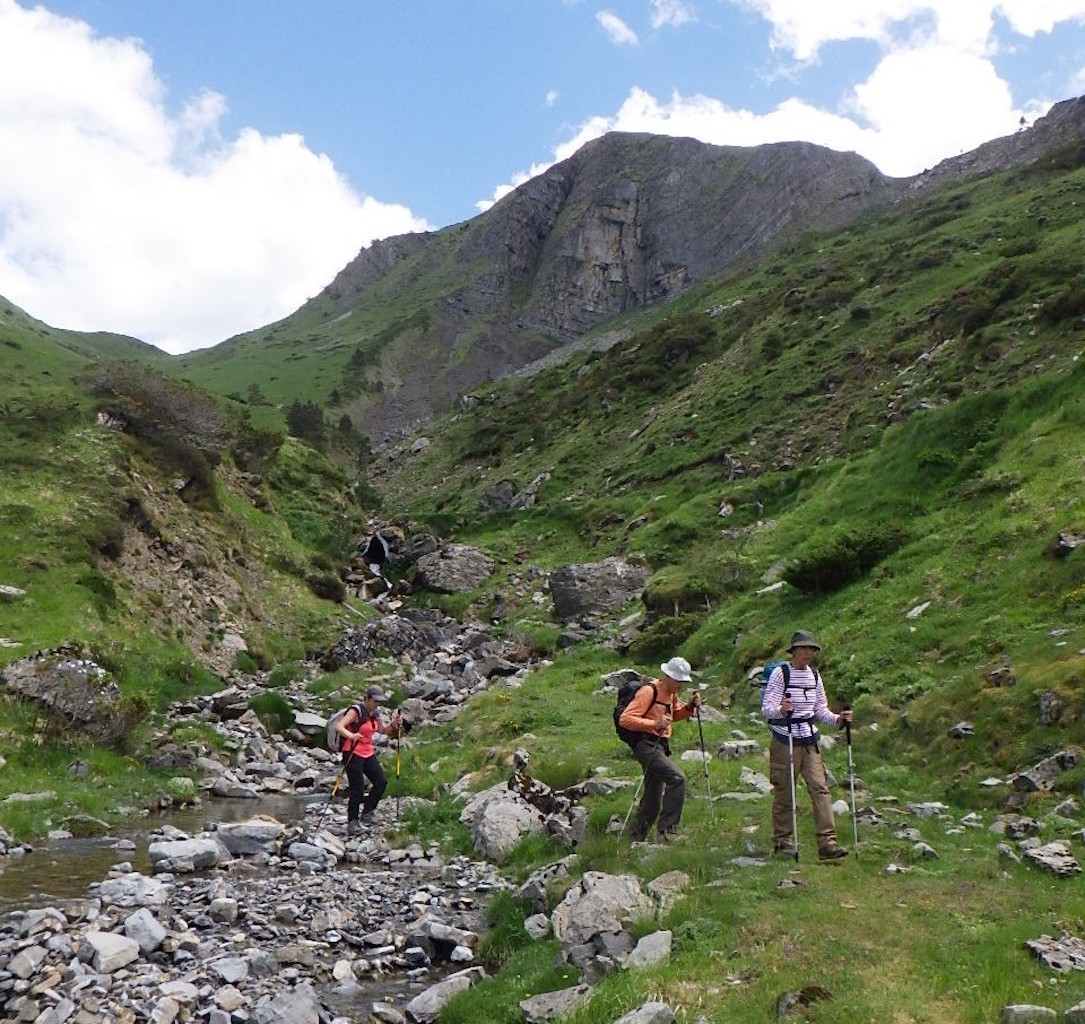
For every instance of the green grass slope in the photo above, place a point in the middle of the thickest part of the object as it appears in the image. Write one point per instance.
(879, 437)
(888, 420)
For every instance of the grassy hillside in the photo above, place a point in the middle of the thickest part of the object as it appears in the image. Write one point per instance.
(890, 416)
(889, 422)
(146, 522)
(877, 436)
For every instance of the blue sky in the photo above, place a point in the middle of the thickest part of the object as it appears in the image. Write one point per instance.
(183, 171)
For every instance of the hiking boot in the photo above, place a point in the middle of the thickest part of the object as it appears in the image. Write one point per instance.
(367, 819)
(783, 850)
(670, 836)
(832, 853)
(354, 828)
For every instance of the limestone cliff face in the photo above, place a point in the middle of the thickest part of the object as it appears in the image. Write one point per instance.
(627, 221)
(641, 218)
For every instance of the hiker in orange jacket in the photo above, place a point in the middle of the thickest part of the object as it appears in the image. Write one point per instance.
(651, 712)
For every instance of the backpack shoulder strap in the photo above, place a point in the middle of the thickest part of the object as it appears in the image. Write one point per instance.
(357, 709)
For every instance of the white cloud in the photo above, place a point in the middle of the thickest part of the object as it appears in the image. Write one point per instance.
(551, 97)
(671, 12)
(933, 94)
(802, 27)
(619, 32)
(208, 237)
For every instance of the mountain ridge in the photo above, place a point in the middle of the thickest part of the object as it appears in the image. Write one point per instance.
(416, 321)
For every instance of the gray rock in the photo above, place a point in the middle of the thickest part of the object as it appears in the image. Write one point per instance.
(548, 1005)
(453, 568)
(755, 780)
(537, 926)
(199, 853)
(26, 962)
(1024, 1013)
(424, 1008)
(534, 889)
(667, 889)
(110, 951)
(498, 820)
(1054, 857)
(146, 929)
(1065, 953)
(256, 835)
(1041, 776)
(599, 903)
(649, 1013)
(75, 690)
(134, 890)
(297, 1006)
(652, 949)
(595, 588)
(732, 750)
(1075, 1014)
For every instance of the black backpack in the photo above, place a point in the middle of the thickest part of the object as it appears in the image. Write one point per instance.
(626, 692)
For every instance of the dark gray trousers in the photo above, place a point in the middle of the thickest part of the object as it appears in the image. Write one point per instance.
(664, 790)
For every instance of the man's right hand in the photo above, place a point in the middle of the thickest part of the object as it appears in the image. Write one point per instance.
(786, 706)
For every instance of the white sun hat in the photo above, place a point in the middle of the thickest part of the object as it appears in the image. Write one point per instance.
(678, 669)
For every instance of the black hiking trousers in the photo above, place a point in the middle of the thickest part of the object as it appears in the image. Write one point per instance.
(359, 769)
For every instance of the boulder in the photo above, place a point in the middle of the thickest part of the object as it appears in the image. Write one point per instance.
(550, 1005)
(596, 587)
(424, 1008)
(599, 903)
(499, 819)
(453, 568)
(75, 691)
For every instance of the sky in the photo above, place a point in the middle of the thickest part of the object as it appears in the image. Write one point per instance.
(185, 170)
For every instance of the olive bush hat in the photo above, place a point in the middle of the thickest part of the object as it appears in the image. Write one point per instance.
(803, 638)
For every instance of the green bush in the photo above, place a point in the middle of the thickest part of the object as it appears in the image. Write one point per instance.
(663, 638)
(327, 587)
(833, 561)
(674, 592)
(273, 710)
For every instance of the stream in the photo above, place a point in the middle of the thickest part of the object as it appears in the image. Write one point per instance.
(63, 869)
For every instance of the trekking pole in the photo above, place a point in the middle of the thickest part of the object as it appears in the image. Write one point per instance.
(399, 746)
(704, 763)
(335, 788)
(791, 776)
(851, 785)
(632, 804)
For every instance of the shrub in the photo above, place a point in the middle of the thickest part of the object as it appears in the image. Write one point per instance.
(833, 561)
(273, 710)
(663, 638)
(327, 587)
(673, 592)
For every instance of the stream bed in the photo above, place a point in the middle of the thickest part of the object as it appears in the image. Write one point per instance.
(63, 869)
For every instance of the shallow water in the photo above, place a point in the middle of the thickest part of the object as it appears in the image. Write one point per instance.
(62, 869)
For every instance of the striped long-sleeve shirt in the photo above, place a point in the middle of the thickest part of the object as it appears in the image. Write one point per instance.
(807, 694)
